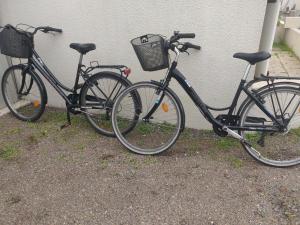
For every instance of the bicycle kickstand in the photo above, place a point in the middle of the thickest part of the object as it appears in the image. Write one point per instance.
(68, 120)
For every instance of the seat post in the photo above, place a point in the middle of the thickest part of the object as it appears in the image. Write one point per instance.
(78, 72)
(80, 60)
(247, 72)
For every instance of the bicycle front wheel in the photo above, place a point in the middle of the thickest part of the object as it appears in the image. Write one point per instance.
(24, 93)
(158, 118)
(280, 149)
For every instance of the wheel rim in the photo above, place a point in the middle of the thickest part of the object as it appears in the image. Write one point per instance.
(147, 137)
(274, 148)
(100, 118)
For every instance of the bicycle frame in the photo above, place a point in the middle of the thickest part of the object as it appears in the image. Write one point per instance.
(205, 109)
(38, 63)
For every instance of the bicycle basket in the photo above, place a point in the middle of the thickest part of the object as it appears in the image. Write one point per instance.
(151, 52)
(16, 43)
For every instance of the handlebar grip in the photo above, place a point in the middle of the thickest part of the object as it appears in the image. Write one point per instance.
(47, 29)
(190, 45)
(186, 35)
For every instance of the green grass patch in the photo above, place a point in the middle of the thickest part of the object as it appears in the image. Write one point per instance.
(13, 131)
(283, 47)
(226, 143)
(103, 163)
(9, 152)
(235, 162)
(150, 160)
(131, 160)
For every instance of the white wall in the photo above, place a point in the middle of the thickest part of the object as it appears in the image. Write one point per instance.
(3, 65)
(223, 27)
(298, 4)
(292, 38)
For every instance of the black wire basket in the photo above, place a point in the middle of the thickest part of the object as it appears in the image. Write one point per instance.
(151, 52)
(16, 43)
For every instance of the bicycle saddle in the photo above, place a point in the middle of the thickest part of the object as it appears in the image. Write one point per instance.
(83, 48)
(253, 58)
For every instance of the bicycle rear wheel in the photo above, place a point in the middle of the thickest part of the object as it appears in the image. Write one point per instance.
(24, 93)
(97, 99)
(280, 149)
(155, 133)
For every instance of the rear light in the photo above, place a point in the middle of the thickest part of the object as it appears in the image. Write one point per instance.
(127, 71)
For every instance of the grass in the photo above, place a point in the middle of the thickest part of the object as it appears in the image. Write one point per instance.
(285, 48)
(150, 160)
(235, 162)
(226, 143)
(103, 163)
(282, 46)
(9, 152)
(131, 160)
(13, 131)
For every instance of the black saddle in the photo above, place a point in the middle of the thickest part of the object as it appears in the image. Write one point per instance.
(83, 48)
(253, 58)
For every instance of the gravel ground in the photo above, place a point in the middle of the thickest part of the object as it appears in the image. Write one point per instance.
(75, 176)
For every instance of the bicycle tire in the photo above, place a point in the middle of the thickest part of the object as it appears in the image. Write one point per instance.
(106, 75)
(256, 153)
(41, 88)
(120, 135)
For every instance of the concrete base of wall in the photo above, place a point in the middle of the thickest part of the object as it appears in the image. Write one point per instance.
(292, 39)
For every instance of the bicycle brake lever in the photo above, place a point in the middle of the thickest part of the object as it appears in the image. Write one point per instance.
(186, 52)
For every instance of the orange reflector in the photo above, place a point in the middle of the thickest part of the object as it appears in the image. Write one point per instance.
(165, 107)
(36, 104)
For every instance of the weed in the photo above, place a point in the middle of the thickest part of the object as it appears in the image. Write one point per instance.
(150, 160)
(131, 161)
(80, 147)
(103, 163)
(62, 157)
(235, 162)
(13, 131)
(33, 139)
(282, 46)
(9, 152)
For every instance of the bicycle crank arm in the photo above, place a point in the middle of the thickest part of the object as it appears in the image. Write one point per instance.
(91, 107)
(240, 138)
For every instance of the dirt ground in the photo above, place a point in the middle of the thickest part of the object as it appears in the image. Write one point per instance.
(76, 176)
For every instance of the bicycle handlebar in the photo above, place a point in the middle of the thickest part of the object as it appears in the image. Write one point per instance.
(173, 42)
(188, 45)
(47, 29)
(186, 35)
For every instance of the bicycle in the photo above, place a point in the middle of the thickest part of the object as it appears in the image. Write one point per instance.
(24, 91)
(266, 123)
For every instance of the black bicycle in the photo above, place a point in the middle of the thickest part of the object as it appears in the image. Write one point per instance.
(267, 123)
(24, 91)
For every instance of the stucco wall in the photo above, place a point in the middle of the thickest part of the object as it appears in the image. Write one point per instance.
(223, 27)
